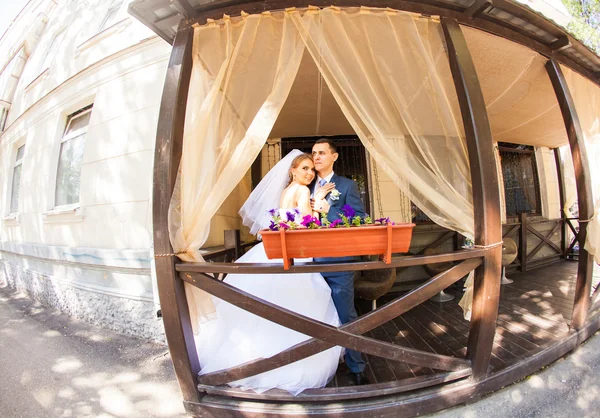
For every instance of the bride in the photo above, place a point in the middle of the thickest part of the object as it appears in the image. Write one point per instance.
(235, 336)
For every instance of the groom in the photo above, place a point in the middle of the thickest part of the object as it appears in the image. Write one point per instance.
(325, 154)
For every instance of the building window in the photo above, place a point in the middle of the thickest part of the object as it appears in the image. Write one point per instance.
(16, 180)
(111, 15)
(521, 181)
(70, 158)
(52, 50)
(3, 117)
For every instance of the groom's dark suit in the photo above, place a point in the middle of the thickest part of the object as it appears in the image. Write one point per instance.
(342, 283)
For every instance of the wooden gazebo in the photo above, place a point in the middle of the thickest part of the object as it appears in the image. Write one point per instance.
(420, 377)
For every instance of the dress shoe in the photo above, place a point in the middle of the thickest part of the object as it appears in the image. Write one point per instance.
(360, 378)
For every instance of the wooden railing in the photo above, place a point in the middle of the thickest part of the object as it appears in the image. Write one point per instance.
(523, 230)
(207, 275)
(570, 250)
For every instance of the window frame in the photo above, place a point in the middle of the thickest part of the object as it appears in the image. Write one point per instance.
(3, 116)
(503, 148)
(65, 138)
(12, 218)
(106, 23)
(18, 163)
(50, 52)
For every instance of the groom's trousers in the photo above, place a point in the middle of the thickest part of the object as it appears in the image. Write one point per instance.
(342, 293)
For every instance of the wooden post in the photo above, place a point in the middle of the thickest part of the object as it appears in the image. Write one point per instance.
(256, 171)
(561, 194)
(232, 240)
(169, 141)
(523, 241)
(584, 191)
(486, 199)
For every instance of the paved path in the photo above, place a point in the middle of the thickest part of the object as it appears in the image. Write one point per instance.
(54, 366)
(568, 388)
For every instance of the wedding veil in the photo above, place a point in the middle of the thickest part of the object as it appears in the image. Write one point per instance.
(267, 194)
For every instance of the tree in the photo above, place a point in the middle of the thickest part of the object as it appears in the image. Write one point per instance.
(586, 22)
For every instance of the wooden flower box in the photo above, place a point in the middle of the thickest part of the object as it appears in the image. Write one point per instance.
(382, 240)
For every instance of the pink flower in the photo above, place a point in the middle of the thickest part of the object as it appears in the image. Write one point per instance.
(335, 223)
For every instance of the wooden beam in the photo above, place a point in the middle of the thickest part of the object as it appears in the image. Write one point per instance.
(340, 393)
(232, 240)
(561, 43)
(184, 8)
(527, 14)
(523, 241)
(276, 268)
(361, 325)
(486, 198)
(584, 190)
(485, 23)
(477, 8)
(256, 171)
(561, 197)
(169, 140)
(142, 18)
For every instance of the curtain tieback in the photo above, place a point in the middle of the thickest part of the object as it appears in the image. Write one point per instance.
(487, 247)
(170, 255)
(586, 220)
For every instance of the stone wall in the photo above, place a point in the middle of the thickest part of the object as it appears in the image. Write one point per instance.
(128, 316)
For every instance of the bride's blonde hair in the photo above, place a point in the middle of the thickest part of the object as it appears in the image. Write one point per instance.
(296, 162)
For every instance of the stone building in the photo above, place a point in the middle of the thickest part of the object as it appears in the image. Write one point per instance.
(80, 90)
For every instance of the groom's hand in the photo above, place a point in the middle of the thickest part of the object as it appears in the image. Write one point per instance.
(324, 190)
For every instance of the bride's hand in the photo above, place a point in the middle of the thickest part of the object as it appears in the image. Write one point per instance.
(319, 206)
(324, 191)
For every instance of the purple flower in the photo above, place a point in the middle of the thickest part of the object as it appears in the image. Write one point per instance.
(272, 226)
(384, 221)
(291, 216)
(283, 225)
(273, 212)
(297, 211)
(310, 221)
(348, 211)
(335, 223)
(307, 220)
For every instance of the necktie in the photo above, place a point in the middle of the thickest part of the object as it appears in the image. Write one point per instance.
(322, 182)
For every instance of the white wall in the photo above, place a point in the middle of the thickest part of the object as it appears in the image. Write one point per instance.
(103, 246)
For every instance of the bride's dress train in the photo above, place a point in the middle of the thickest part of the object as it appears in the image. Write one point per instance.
(237, 336)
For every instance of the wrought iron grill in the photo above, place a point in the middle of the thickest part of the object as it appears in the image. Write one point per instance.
(352, 161)
(521, 181)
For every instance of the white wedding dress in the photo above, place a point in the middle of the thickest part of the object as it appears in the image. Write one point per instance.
(236, 336)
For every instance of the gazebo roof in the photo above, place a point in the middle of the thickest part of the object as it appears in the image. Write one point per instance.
(505, 18)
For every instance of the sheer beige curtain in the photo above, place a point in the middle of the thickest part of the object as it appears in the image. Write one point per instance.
(387, 70)
(586, 96)
(241, 76)
(389, 73)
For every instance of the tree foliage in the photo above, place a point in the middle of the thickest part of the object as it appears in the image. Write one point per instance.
(585, 25)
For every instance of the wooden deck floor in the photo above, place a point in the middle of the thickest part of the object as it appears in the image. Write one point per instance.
(534, 310)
